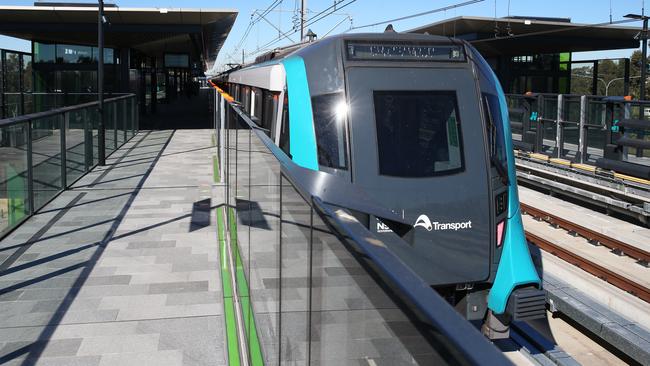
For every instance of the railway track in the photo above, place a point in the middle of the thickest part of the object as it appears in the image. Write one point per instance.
(587, 265)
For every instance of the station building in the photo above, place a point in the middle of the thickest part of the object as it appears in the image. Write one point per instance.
(535, 54)
(152, 52)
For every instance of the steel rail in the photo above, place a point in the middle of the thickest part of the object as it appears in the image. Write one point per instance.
(589, 234)
(597, 270)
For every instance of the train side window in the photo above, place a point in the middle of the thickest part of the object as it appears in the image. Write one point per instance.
(246, 99)
(330, 115)
(257, 103)
(285, 142)
(269, 110)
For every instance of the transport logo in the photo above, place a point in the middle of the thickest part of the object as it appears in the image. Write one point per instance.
(424, 222)
(383, 228)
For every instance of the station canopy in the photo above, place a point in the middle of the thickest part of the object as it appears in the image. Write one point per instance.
(515, 36)
(153, 31)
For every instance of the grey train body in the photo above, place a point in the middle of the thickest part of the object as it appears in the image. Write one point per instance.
(410, 134)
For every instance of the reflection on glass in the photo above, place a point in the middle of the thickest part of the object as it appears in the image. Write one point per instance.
(306, 296)
(73, 54)
(46, 159)
(14, 205)
(109, 124)
(27, 73)
(177, 60)
(44, 53)
(295, 276)
(75, 144)
(12, 72)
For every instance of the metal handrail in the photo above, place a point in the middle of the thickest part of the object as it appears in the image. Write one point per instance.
(28, 117)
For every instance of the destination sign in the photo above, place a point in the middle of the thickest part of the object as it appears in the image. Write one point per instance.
(362, 51)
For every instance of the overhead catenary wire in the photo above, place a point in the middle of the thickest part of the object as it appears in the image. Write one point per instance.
(254, 21)
(317, 17)
(554, 30)
(449, 7)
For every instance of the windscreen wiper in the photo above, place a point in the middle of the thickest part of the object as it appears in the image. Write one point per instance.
(503, 171)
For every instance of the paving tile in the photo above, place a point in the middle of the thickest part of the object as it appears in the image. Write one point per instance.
(152, 295)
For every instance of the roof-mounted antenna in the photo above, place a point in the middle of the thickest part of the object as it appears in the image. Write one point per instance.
(310, 36)
(389, 29)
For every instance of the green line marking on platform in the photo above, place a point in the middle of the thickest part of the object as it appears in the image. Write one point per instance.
(215, 169)
(255, 351)
(228, 304)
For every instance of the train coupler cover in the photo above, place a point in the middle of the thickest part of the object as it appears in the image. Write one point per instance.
(527, 304)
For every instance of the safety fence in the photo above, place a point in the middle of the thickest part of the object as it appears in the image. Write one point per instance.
(14, 104)
(42, 154)
(305, 282)
(609, 132)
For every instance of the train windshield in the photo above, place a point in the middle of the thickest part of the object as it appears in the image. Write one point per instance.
(418, 133)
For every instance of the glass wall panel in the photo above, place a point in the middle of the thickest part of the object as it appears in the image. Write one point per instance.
(12, 72)
(75, 81)
(73, 54)
(14, 197)
(27, 73)
(109, 55)
(44, 53)
(177, 60)
(46, 158)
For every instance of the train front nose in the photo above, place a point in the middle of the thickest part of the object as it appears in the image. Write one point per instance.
(418, 148)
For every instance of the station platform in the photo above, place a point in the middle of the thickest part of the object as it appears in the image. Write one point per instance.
(122, 269)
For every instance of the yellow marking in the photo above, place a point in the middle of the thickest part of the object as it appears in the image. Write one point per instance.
(586, 167)
(539, 156)
(560, 161)
(630, 178)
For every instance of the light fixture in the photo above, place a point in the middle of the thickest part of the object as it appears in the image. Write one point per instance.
(341, 110)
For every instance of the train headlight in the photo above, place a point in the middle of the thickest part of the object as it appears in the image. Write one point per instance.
(341, 110)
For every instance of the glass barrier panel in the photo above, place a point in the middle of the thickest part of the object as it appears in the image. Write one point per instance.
(264, 252)
(14, 196)
(295, 247)
(92, 134)
(13, 107)
(28, 103)
(75, 144)
(109, 125)
(46, 158)
(120, 119)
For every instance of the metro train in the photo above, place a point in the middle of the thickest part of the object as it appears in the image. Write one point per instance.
(419, 124)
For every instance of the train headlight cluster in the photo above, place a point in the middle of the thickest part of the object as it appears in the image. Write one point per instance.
(341, 110)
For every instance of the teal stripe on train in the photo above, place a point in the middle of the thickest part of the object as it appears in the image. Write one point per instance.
(301, 121)
(516, 267)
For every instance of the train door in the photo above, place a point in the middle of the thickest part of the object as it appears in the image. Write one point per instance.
(418, 147)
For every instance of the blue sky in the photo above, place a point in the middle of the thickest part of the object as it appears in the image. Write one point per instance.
(368, 11)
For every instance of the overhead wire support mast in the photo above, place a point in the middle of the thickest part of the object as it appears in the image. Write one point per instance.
(101, 144)
(311, 21)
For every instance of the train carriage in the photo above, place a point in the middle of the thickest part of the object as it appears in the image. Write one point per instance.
(416, 125)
